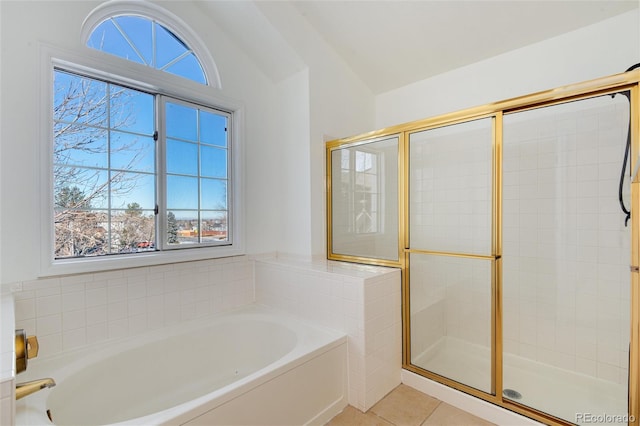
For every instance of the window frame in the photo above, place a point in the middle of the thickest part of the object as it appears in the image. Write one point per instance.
(100, 65)
(143, 9)
(162, 173)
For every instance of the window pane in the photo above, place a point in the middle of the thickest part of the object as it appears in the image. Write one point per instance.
(214, 226)
(87, 149)
(213, 162)
(145, 42)
(182, 158)
(132, 152)
(138, 30)
(133, 230)
(109, 39)
(130, 188)
(182, 192)
(214, 194)
(131, 110)
(80, 233)
(181, 122)
(168, 46)
(78, 186)
(97, 168)
(182, 227)
(79, 100)
(188, 67)
(213, 129)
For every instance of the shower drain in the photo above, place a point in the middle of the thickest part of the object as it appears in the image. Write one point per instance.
(512, 394)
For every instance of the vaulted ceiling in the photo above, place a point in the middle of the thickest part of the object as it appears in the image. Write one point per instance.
(392, 43)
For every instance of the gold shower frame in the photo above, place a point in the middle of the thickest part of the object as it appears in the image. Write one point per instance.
(601, 86)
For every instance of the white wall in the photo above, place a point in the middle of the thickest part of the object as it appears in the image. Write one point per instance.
(597, 290)
(339, 105)
(293, 189)
(25, 26)
(605, 48)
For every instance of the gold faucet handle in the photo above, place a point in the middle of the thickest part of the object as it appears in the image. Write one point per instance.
(32, 347)
(21, 351)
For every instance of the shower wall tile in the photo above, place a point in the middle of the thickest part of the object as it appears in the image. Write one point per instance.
(565, 247)
(76, 311)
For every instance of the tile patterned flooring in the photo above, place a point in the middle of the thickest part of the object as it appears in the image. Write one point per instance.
(405, 406)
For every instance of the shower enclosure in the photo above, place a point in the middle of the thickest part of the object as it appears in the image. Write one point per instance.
(515, 252)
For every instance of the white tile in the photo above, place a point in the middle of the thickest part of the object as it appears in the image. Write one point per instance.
(74, 338)
(96, 297)
(136, 290)
(50, 324)
(137, 306)
(25, 309)
(138, 324)
(117, 310)
(73, 301)
(608, 372)
(116, 291)
(48, 305)
(586, 366)
(118, 328)
(73, 319)
(96, 315)
(6, 411)
(96, 333)
(50, 344)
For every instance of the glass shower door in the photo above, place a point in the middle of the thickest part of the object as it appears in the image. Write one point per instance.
(364, 199)
(566, 254)
(450, 259)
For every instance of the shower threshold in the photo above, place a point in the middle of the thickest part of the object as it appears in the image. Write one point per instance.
(562, 393)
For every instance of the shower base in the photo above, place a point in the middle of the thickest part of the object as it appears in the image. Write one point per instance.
(572, 396)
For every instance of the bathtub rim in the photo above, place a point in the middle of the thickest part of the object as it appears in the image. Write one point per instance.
(62, 365)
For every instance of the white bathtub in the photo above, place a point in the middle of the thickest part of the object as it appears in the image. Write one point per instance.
(253, 366)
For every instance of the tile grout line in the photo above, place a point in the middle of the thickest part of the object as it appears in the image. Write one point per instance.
(431, 413)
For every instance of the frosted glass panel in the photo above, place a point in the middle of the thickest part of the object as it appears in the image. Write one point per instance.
(451, 318)
(364, 185)
(566, 259)
(450, 186)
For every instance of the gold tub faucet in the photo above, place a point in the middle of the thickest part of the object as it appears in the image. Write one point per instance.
(25, 349)
(27, 388)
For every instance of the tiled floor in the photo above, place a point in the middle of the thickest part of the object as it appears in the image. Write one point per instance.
(405, 406)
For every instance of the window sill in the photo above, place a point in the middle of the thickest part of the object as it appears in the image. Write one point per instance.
(110, 263)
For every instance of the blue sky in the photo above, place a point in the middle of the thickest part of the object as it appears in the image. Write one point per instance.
(196, 145)
(131, 37)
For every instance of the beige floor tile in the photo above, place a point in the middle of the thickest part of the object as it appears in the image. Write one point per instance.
(351, 416)
(405, 406)
(448, 415)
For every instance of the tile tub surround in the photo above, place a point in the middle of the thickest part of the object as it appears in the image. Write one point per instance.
(362, 301)
(75, 312)
(72, 312)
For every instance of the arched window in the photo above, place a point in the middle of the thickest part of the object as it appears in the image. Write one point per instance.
(144, 33)
(141, 169)
(149, 43)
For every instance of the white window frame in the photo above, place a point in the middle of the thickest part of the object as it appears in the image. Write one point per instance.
(121, 71)
(154, 12)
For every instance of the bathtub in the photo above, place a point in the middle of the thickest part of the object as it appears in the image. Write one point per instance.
(252, 366)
